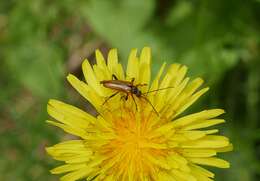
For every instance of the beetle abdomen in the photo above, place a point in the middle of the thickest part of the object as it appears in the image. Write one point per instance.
(116, 85)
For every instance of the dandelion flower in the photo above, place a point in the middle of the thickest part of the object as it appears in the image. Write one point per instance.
(131, 142)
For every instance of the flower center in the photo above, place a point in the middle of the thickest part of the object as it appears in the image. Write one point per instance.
(134, 145)
(132, 138)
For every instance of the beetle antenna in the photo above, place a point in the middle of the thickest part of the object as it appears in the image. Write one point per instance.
(158, 90)
(145, 98)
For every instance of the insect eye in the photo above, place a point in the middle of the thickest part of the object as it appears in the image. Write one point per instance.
(134, 90)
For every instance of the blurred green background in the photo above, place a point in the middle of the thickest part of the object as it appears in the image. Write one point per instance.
(41, 41)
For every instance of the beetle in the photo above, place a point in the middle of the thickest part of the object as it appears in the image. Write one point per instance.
(129, 88)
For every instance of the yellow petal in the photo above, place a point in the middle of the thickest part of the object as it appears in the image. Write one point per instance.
(185, 98)
(159, 161)
(69, 129)
(178, 76)
(190, 100)
(193, 135)
(144, 67)
(177, 73)
(216, 162)
(203, 124)
(101, 64)
(85, 91)
(164, 176)
(120, 72)
(200, 177)
(79, 158)
(179, 175)
(201, 171)
(67, 168)
(91, 78)
(160, 102)
(210, 141)
(68, 114)
(211, 131)
(203, 115)
(176, 92)
(132, 70)
(109, 178)
(178, 159)
(155, 83)
(68, 150)
(76, 175)
(102, 74)
(112, 61)
(226, 148)
(186, 120)
(172, 98)
(198, 152)
(192, 87)
(100, 59)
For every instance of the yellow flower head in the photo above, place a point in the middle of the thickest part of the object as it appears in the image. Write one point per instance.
(144, 137)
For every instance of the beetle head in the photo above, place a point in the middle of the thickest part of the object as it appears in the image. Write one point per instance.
(136, 91)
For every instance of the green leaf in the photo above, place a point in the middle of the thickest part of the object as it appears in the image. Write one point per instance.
(121, 22)
(38, 66)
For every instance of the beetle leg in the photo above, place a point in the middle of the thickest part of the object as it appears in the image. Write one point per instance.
(114, 77)
(123, 97)
(134, 101)
(132, 80)
(110, 97)
(126, 97)
(138, 85)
